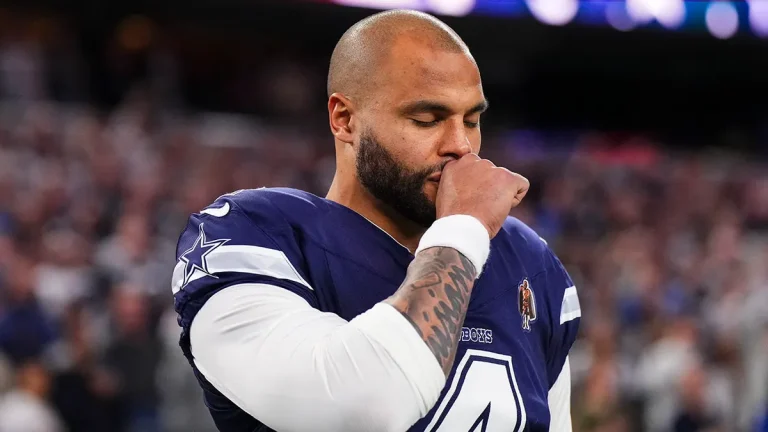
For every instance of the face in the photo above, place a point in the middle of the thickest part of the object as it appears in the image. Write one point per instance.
(424, 111)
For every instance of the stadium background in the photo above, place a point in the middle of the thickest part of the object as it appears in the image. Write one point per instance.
(644, 133)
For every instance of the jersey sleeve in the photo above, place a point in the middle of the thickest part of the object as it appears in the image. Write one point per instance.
(240, 238)
(564, 314)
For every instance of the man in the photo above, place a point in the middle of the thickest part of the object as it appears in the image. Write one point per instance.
(385, 306)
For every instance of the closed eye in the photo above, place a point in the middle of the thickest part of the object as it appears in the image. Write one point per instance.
(424, 124)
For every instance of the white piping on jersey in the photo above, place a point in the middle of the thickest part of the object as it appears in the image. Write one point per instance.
(385, 232)
(242, 259)
(570, 308)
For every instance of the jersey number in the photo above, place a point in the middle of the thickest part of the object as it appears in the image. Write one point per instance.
(483, 397)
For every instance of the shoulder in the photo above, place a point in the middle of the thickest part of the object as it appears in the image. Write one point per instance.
(246, 237)
(514, 228)
(268, 219)
(538, 260)
(266, 209)
(272, 203)
(281, 197)
(524, 242)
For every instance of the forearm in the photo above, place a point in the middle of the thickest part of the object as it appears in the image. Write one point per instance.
(434, 298)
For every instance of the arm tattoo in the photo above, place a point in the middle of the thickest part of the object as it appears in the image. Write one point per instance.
(434, 298)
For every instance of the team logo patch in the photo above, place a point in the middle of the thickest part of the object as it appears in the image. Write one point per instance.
(195, 259)
(526, 304)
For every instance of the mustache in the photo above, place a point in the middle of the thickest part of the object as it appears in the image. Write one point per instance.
(436, 168)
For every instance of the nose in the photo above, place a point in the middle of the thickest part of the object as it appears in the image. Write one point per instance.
(455, 141)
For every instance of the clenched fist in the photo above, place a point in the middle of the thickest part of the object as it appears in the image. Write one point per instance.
(476, 187)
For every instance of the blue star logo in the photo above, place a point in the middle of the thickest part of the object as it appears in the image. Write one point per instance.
(194, 258)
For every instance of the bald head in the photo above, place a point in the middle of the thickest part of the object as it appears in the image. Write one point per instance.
(366, 46)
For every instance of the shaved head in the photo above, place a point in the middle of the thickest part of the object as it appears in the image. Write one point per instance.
(365, 46)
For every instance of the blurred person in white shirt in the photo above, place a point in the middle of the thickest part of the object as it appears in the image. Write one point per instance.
(25, 408)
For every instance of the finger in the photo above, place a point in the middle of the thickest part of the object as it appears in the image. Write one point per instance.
(470, 157)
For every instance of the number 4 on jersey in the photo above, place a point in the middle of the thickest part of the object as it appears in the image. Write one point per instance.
(483, 397)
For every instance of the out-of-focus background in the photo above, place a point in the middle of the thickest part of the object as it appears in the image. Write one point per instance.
(642, 125)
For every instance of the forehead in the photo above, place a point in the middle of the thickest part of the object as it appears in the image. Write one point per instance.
(415, 70)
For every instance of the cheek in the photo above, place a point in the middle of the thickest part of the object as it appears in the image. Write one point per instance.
(416, 149)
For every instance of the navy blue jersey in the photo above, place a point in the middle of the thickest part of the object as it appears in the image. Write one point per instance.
(522, 318)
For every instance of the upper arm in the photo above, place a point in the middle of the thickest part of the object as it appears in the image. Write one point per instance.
(240, 338)
(559, 399)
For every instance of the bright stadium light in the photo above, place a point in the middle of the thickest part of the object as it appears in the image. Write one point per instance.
(617, 16)
(669, 13)
(758, 17)
(640, 11)
(451, 7)
(382, 4)
(722, 19)
(553, 12)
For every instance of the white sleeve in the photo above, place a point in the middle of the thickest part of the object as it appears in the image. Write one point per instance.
(560, 401)
(297, 369)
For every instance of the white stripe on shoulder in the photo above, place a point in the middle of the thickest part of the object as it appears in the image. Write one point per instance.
(242, 259)
(570, 309)
(217, 211)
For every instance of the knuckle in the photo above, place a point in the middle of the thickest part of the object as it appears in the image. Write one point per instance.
(472, 156)
(503, 173)
(518, 178)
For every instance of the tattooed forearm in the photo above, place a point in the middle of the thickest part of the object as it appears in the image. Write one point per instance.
(434, 298)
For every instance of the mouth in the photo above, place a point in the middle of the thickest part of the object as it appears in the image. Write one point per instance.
(435, 177)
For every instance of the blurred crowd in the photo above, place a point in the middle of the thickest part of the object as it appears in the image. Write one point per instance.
(668, 251)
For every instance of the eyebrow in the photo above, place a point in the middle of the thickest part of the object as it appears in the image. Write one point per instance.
(427, 106)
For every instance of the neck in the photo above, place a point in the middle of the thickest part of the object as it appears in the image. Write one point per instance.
(347, 191)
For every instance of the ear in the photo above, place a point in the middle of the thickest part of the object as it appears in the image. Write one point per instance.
(340, 111)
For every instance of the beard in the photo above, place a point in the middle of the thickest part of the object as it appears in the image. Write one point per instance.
(394, 184)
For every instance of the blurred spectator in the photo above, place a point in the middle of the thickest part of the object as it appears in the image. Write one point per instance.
(694, 415)
(25, 409)
(84, 392)
(26, 330)
(21, 66)
(133, 357)
(6, 374)
(64, 276)
(133, 253)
